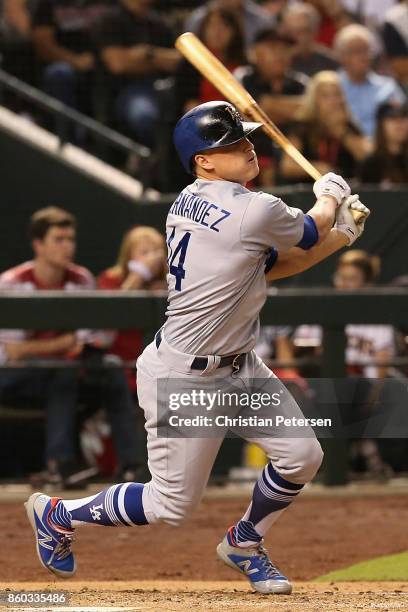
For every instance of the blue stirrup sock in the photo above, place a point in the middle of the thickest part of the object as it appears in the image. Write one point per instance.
(119, 505)
(271, 496)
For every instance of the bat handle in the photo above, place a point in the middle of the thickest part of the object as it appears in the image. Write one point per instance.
(357, 216)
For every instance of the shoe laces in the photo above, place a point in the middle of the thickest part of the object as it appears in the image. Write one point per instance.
(270, 569)
(63, 548)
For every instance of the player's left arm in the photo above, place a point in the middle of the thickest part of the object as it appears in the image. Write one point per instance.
(344, 233)
(296, 260)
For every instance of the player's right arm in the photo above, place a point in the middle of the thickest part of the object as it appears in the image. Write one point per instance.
(269, 222)
(344, 233)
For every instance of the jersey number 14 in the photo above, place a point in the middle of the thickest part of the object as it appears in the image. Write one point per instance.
(177, 269)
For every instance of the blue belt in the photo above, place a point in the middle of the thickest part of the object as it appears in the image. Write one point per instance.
(200, 363)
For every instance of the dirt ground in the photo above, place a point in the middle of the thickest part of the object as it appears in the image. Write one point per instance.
(195, 596)
(163, 568)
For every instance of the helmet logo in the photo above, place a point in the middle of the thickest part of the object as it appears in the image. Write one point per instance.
(235, 116)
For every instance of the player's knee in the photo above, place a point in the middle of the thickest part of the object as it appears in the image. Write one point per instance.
(168, 507)
(309, 460)
(178, 511)
(314, 460)
(303, 462)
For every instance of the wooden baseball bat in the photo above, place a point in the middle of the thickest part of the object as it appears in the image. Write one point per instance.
(214, 71)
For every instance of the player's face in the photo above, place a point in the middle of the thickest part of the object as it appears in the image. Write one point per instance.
(349, 277)
(237, 163)
(57, 248)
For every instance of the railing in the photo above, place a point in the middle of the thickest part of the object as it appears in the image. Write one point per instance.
(145, 309)
(64, 117)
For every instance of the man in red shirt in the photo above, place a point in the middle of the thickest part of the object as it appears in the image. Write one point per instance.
(53, 236)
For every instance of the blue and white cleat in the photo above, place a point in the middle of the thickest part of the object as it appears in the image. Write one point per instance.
(53, 544)
(254, 562)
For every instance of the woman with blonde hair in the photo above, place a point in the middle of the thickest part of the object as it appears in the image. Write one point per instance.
(141, 264)
(325, 132)
(141, 261)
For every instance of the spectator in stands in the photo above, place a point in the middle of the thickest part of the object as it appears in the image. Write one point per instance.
(333, 17)
(367, 345)
(141, 264)
(301, 22)
(401, 332)
(325, 132)
(395, 37)
(253, 18)
(16, 50)
(363, 88)
(388, 163)
(278, 89)
(274, 8)
(270, 78)
(52, 233)
(275, 343)
(370, 13)
(136, 48)
(63, 42)
(221, 32)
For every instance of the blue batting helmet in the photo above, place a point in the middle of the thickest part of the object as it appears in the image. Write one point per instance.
(209, 126)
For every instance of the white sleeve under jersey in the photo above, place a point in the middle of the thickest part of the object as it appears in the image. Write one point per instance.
(219, 237)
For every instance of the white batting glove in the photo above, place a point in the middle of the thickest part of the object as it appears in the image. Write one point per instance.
(333, 185)
(345, 221)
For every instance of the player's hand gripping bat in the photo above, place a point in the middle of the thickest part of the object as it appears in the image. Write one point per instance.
(215, 72)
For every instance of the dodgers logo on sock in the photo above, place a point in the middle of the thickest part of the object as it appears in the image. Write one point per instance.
(96, 515)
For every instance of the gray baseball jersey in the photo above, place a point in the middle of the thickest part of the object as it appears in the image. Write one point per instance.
(219, 237)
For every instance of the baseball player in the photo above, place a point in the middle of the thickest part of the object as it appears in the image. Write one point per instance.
(223, 242)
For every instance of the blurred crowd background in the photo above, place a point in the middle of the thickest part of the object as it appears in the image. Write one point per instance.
(333, 75)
